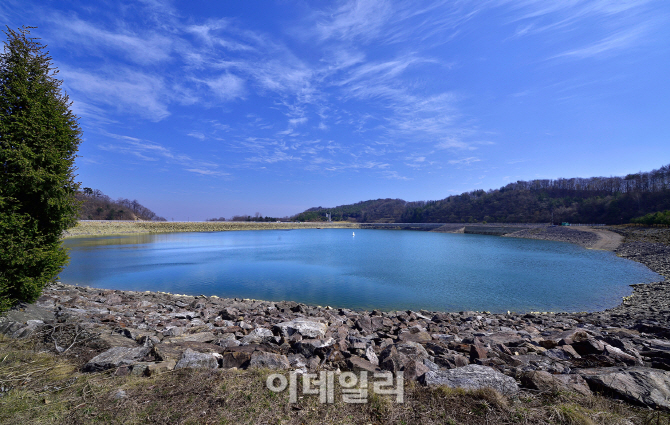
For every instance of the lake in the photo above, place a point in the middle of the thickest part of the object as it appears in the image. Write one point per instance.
(375, 269)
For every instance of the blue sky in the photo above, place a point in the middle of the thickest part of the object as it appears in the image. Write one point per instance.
(213, 108)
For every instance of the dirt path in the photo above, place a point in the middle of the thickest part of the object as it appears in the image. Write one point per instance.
(607, 240)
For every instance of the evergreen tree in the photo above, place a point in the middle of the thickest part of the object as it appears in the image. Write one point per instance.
(39, 137)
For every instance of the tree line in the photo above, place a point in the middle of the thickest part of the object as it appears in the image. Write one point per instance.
(607, 200)
(257, 217)
(95, 205)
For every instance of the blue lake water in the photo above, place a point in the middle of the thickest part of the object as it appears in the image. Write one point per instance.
(383, 269)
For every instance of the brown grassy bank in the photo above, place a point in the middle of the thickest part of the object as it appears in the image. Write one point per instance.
(47, 388)
(107, 228)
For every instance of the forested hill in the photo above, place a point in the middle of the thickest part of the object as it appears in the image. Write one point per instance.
(608, 200)
(95, 205)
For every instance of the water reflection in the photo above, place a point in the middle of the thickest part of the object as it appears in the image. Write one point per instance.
(376, 269)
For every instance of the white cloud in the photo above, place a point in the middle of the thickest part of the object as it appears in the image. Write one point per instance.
(125, 90)
(354, 20)
(276, 156)
(465, 161)
(394, 175)
(197, 135)
(146, 48)
(205, 172)
(453, 143)
(150, 151)
(225, 86)
(293, 122)
(615, 42)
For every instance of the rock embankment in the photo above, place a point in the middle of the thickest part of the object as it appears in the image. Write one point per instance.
(558, 233)
(144, 333)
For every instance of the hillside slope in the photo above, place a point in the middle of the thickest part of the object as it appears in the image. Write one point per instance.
(607, 200)
(95, 205)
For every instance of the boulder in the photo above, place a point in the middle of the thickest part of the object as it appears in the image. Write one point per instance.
(238, 359)
(414, 370)
(421, 336)
(166, 352)
(371, 356)
(304, 327)
(638, 385)
(260, 359)
(619, 355)
(297, 361)
(174, 331)
(229, 313)
(477, 351)
(257, 336)
(228, 343)
(546, 382)
(196, 360)
(115, 357)
(160, 367)
(197, 337)
(472, 377)
(311, 347)
(588, 346)
(358, 363)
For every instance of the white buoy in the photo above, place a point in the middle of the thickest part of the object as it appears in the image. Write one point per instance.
(353, 233)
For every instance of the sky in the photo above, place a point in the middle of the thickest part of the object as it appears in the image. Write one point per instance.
(208, 108)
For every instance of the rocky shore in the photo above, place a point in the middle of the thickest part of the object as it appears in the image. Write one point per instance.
(623, 352)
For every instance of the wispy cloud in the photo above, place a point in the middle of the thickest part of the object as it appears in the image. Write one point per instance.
(206, 172)
(394, 175)
(225, 86)
(621, 25)
(356, 19)
(464, 161)
(124, 90)
(145, 48)
(150, 151)
(197, 135)
(613, 43)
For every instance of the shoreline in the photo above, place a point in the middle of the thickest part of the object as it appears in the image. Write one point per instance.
(610, 238)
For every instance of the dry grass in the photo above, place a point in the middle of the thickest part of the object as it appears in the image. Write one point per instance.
(46, 388)
(105, 228)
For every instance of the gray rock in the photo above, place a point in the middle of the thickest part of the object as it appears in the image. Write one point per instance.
(546, 382)
(257, 336)
(174, 331)
(639, 385)
(262, 359)
(115, 357)
(414, 370)
(229, 313)
(297, 361)
(228, 343)
(311, 347)
(371, 356)
(185, 315)
(472, 377)
(196, 337)
(358, 363)
(24, 312)
(304, 327)
(620, 356)
(431, 365)
(197, 360)
(238, 359)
